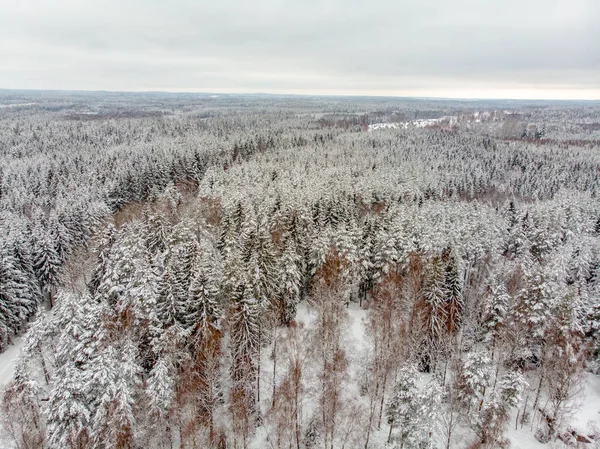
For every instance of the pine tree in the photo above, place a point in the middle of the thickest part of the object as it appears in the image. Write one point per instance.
(403, 404)
(206, 344)
(179, 268)
(63, 241)
(161, 389)
(366, 267)
(23, 262)
(130, 279)
(157, 231)
(496, 310)
(39, 334)
(161, 392)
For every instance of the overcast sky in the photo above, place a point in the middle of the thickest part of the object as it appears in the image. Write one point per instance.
(443, 48)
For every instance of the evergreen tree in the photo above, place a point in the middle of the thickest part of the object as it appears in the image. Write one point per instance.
(454, 296)
(412, 411)
(290, 281)
(103, 253)
(472, 381)
(46, 264)
(14, 304)
(435, 311)
(161, 392)
(70, 407)
(244, 346)
(113, 379)
(496, 413)
(533, 304)
(203, 309)
(496, 311)
(169, 307)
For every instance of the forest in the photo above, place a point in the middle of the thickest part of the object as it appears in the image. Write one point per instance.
(294, 272)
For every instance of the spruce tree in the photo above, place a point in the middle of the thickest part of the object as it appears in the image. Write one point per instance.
(454, 294)
(46, 265)
(290, 281)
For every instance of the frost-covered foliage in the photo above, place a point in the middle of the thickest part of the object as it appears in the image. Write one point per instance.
(218, 251)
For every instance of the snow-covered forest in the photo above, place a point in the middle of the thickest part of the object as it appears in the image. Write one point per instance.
(198, 271)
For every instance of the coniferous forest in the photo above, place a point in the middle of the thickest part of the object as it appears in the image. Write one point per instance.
(288, 272)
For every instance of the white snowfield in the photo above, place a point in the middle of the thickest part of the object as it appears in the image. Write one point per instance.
(448, 120)
(15, 105)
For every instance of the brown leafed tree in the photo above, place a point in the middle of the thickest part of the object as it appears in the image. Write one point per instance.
(386, 331)
(20, 413)
(285, 414)
(328, 297)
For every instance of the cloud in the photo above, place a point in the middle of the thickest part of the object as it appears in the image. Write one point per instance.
(539, 48)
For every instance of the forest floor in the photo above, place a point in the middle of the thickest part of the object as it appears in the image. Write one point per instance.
(8, 359)
(585, 420)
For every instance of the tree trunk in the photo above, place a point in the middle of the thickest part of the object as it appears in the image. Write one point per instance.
(537, 397)
(389, 440)
(445, 372)
(258, 371)
(44, 368)
(450, 424)
(382, 399)
(524, 410)
(274, 367)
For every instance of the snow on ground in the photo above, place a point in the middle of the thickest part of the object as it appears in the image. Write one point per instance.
(419, 123)
(15, 105)
(7, 366)
(7, 361)
(448, 120)
(586, 420)
(589, 413)
(524, 439)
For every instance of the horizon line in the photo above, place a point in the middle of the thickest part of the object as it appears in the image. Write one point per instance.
(301, 94)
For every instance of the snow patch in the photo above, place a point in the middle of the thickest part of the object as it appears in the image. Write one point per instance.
(8, 360)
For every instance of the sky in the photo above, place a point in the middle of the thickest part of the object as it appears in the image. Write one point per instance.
(532, 49)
